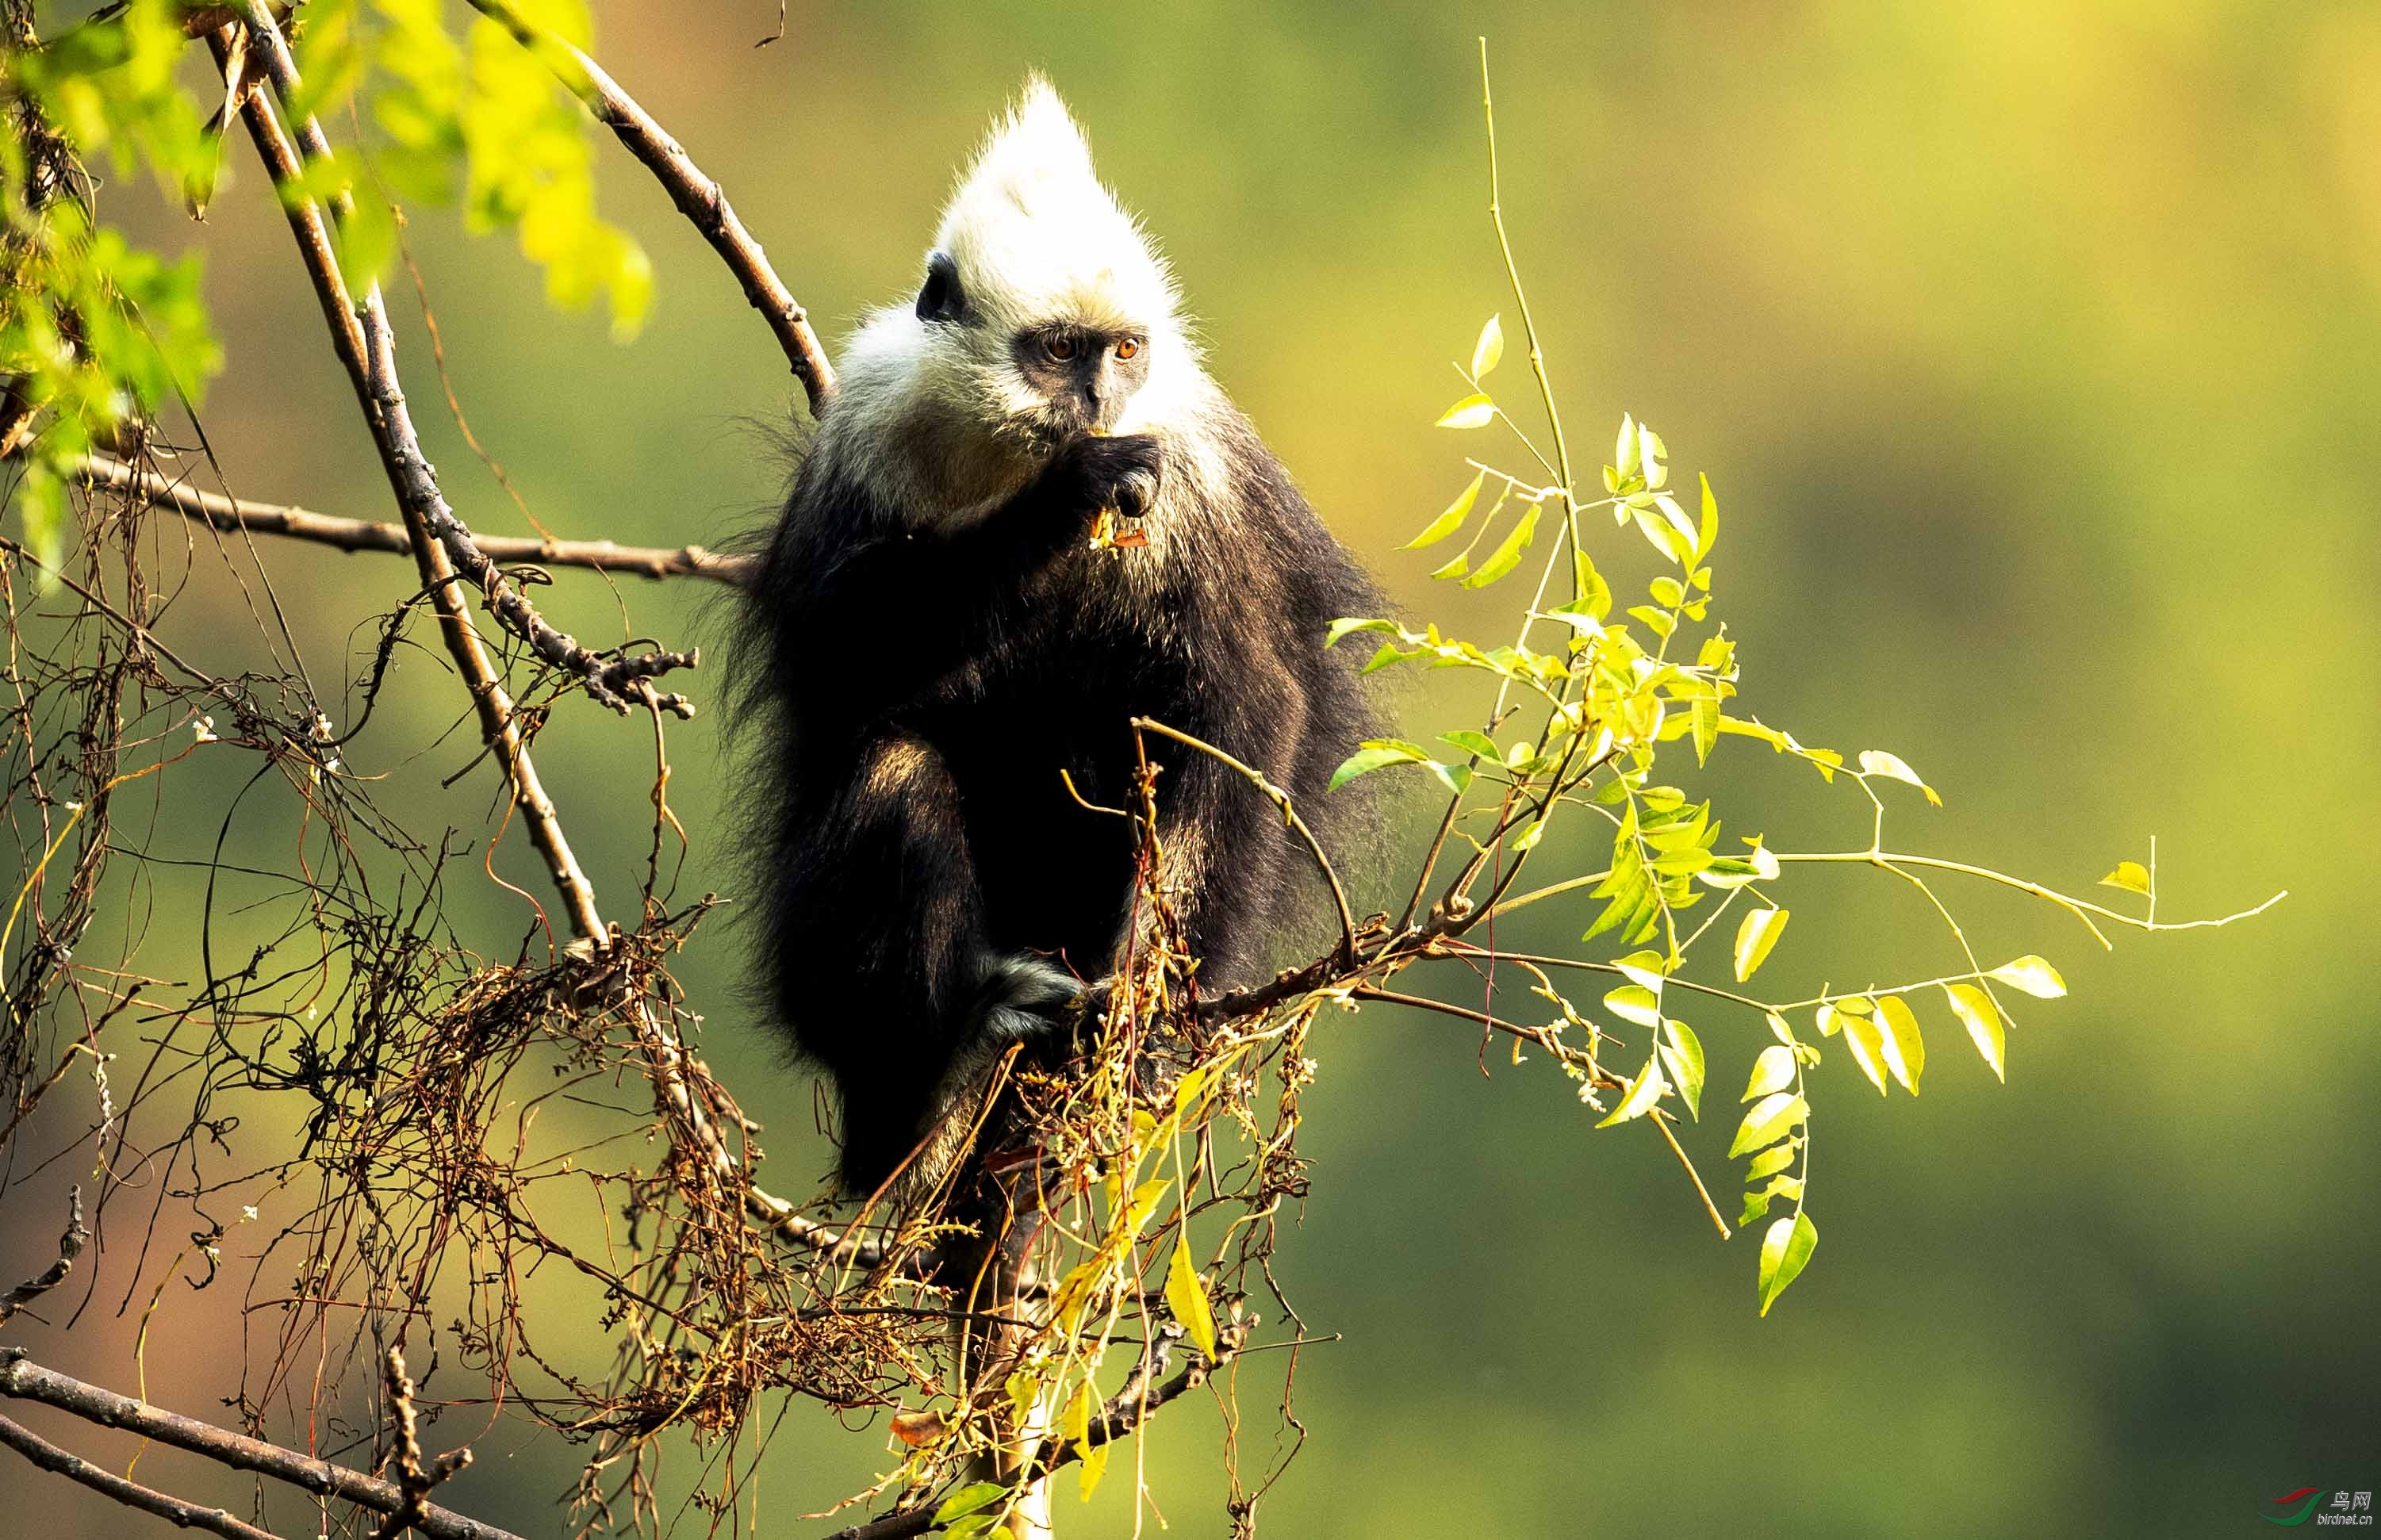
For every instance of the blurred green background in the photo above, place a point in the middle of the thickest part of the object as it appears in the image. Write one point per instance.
(2032, 352)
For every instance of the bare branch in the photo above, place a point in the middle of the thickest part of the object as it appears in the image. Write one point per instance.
(233, 516)
(70, 1246)
(188, 1515)
(24, 1380)
(414, 1478)
(697, 196)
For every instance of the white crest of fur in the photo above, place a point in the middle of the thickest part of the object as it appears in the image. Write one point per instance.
(936, 417)
(1037, 239)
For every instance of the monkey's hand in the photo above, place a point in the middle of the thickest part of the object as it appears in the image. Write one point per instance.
(1119, 473)
(1025, 998)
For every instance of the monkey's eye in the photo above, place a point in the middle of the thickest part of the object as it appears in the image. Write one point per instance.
(1060, 346)
(1128, 347)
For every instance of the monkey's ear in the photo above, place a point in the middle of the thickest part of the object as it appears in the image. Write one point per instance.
(942, 299)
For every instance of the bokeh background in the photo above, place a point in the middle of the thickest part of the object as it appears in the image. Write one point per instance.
(2032, 352)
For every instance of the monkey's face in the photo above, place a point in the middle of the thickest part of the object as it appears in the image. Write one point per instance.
(1083, 375)
(1053, 379)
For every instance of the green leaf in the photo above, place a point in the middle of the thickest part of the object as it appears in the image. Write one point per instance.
(1644, 1092)
(1456, 569)
(1634, 1003)
(1866, 1043)
(1975, 1009)
(1663, 536)
(1876, 762)
(1473, 743)
(1187, 1297)
(2032, 975)
(1773, 1071)
(1905, 1050)
(1372, 757)
(1784, 1252)
(1683, 1053)
(1707, 534)
(1625, 450)
(1595, 596)
(1771, 1161)
(1452, 520)
(1508, 554)
(1347, 626)
(1771, 1118)
(1779, 1030)
(1754, 936)
(1472, 411)
(970, 1500)
(2130, 875)
(1490, 347)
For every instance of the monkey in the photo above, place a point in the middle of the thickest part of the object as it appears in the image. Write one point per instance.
(939, 633)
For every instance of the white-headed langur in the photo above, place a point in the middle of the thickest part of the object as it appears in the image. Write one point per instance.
(940, 636)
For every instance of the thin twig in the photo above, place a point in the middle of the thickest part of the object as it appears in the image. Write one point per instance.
(22, 1379)
(697, 196)
(1280, 798)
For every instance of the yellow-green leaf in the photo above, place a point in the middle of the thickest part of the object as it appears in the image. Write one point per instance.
(1754, 936)
(1861, 1035)
(1490, 347)
(1905, 1051)
(1472, 411)
(1683, 1053)
(1975, 1009)
(2032, 975)
(1187, 1297)
(1634, 1003)
(1708, 533)
(1784, 1251)
(1094, 1465)
(1508, 554)
(970, 1500)
(1771, 1118)
(1452, 520)
(1773, 1071)
(1876, 762)
(1771, 1161)
(2130, 875)
(1644, 1092)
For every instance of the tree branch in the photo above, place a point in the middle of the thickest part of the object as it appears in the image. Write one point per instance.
(187, 1515)
(697, 196)
(488, 695)
(24, 1380)
(70, 1246)
(428, 516)
(233, 515)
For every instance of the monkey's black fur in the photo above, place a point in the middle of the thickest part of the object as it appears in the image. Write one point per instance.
(921, 693)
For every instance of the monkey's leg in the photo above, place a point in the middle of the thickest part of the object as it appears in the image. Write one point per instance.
(880, 954)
